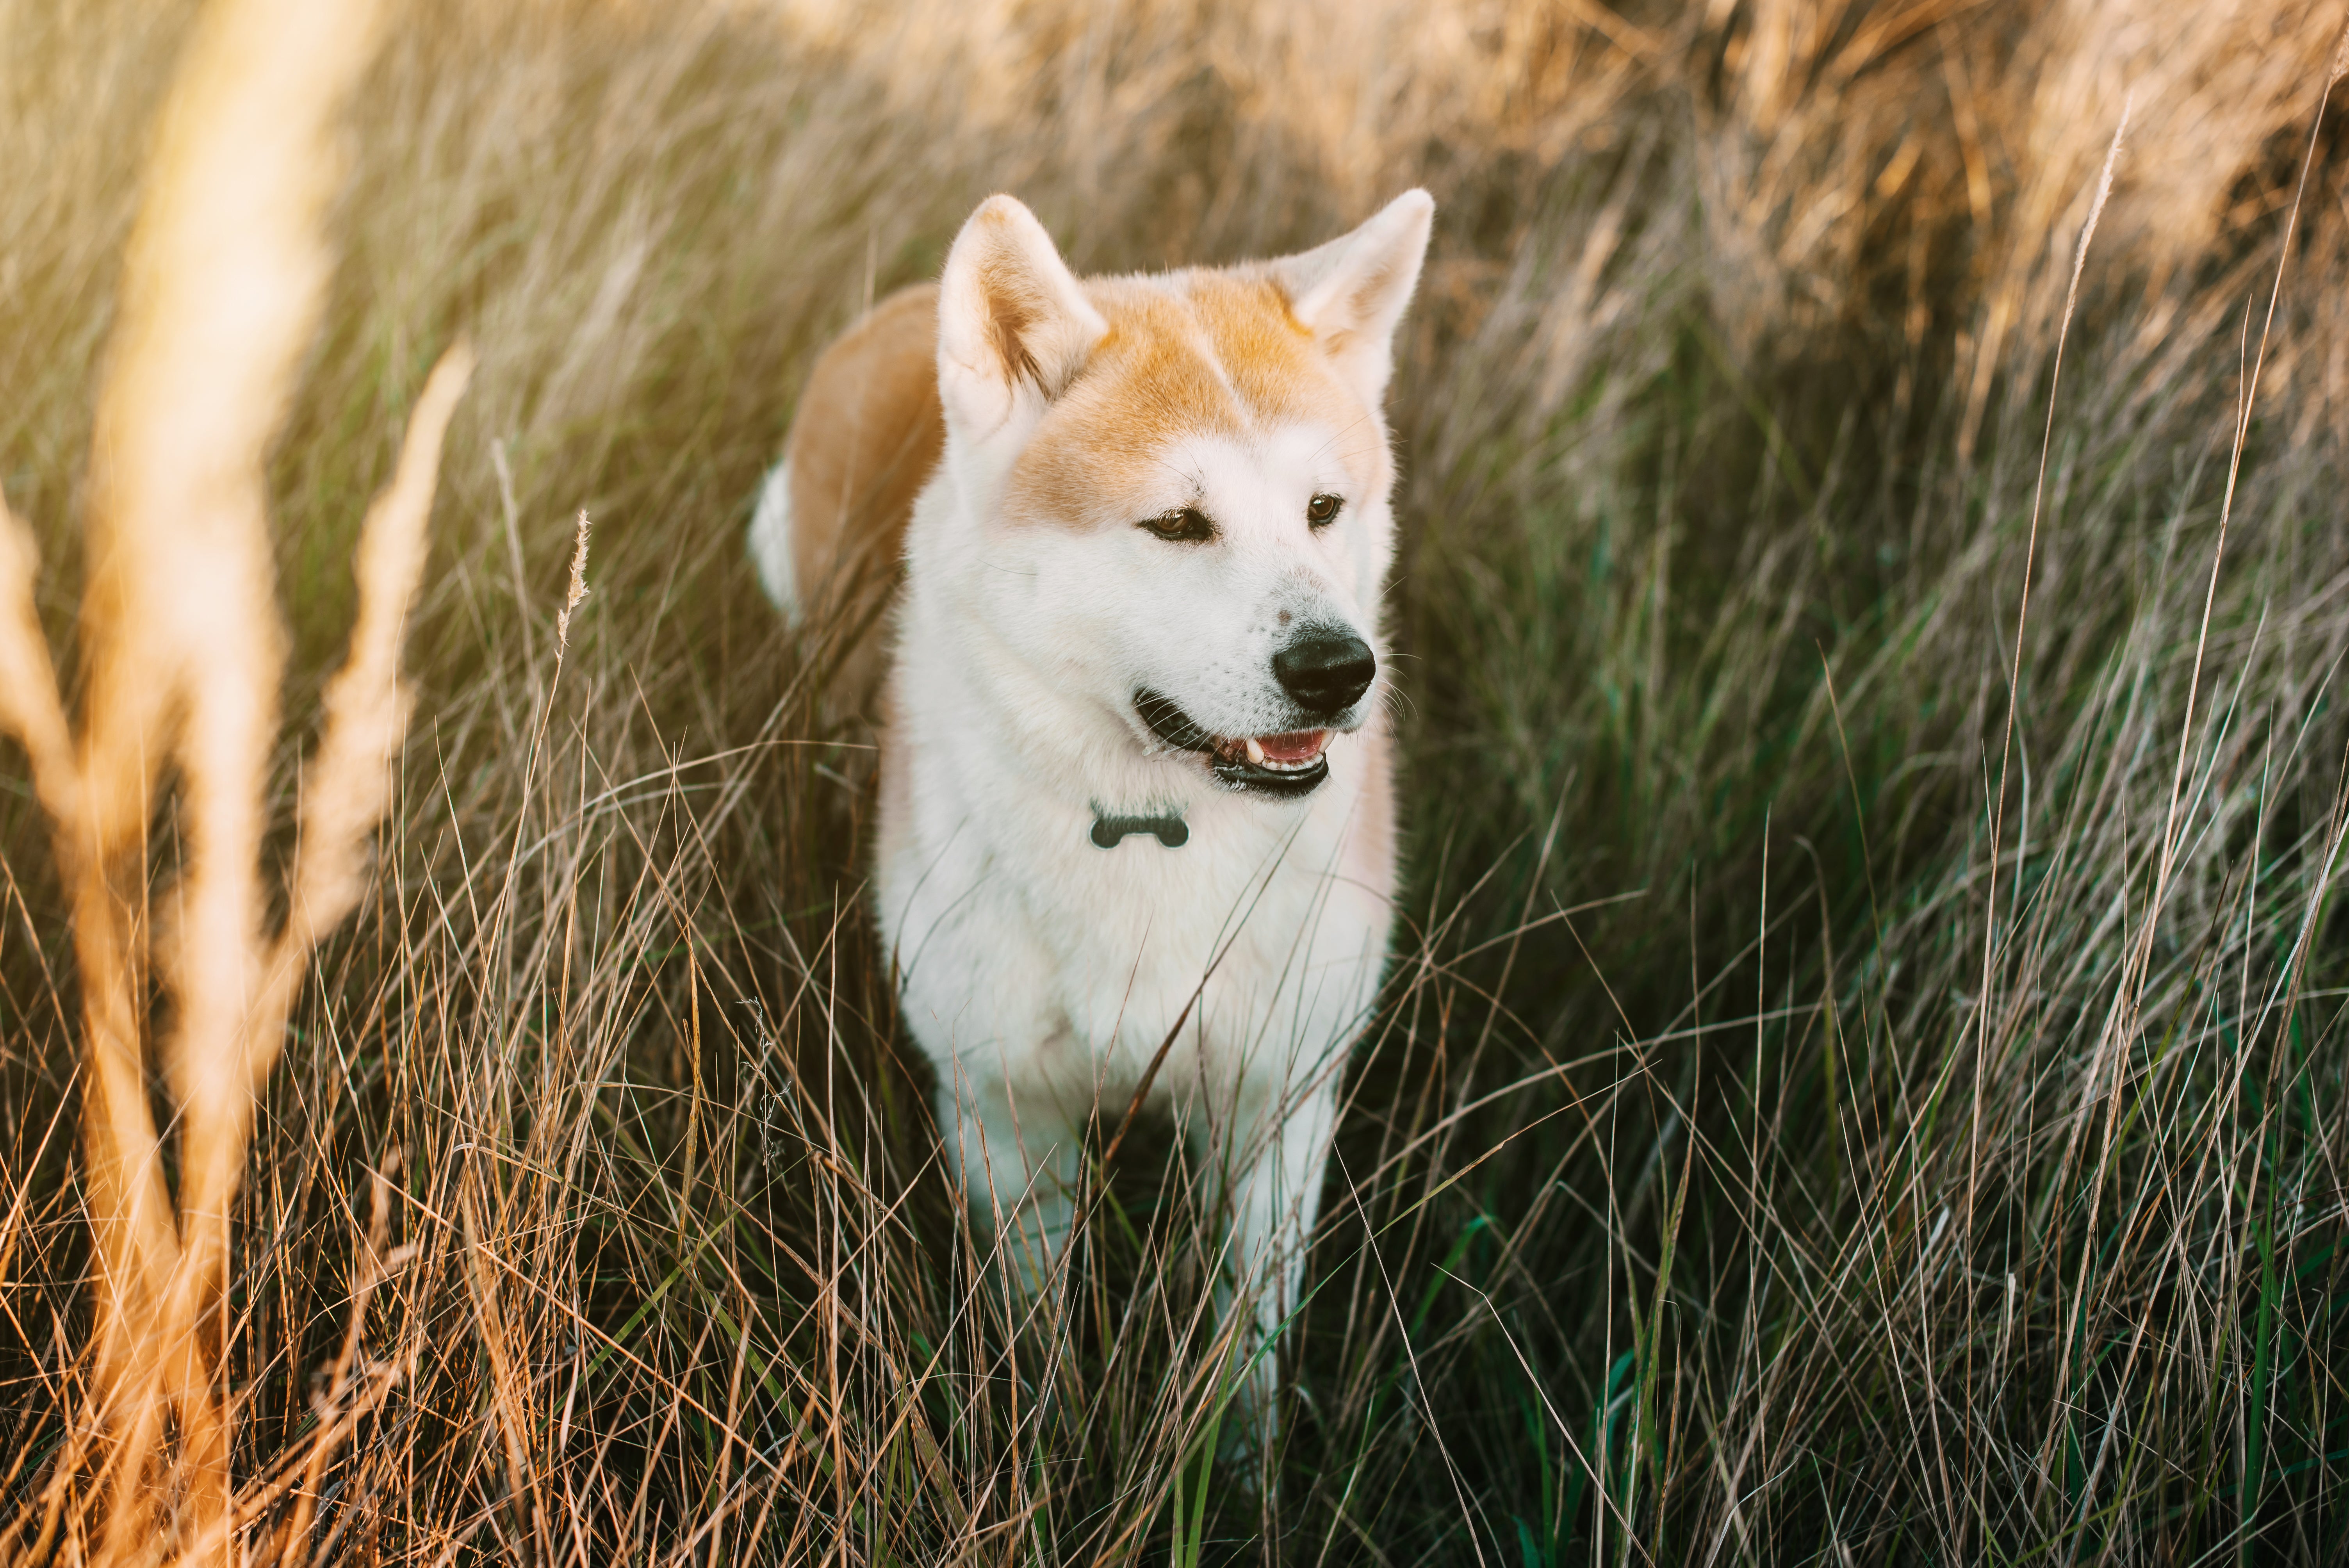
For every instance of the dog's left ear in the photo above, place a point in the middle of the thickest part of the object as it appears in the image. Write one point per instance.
(1014, 324)
(1350, 292)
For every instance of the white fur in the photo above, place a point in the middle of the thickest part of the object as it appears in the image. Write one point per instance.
(770, 540)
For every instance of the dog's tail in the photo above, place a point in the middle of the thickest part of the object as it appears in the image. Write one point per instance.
(770, 540)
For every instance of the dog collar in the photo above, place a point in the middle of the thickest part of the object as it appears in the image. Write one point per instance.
(1108, 830)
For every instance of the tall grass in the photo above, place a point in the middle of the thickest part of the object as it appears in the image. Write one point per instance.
(1863, 1077)
(222, 275)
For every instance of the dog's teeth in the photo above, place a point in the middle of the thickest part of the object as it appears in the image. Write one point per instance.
(1254, 751)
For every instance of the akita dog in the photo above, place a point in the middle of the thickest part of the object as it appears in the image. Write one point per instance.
(1136, 822)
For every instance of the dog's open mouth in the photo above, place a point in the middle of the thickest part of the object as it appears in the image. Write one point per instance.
(1291, 763)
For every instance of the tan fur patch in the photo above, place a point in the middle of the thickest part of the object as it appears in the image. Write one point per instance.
(1193, 353)
(866, 436)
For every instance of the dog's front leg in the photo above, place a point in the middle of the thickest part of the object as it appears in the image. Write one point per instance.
(1016, 1158)
(1275, 1198)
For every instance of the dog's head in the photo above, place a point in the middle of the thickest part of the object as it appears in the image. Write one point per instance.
(1179, 485)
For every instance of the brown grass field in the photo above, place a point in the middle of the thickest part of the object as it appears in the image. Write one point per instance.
(1864, 1077)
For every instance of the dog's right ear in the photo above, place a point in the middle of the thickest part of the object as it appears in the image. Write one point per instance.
(1014, 324)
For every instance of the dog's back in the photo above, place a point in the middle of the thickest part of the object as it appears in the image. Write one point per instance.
(831, 523)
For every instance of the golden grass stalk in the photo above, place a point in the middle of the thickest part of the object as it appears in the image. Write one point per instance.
(219, 293)
(576, 590)
(222, 285)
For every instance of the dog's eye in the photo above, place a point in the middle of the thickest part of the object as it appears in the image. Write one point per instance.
(1323, 509)
(1184, 525)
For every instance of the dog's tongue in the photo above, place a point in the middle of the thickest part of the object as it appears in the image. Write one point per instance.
(1302, 745)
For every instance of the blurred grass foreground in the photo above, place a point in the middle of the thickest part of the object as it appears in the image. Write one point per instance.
(1864, 1078)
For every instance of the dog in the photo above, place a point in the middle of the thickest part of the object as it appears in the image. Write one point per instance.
(1136, 823)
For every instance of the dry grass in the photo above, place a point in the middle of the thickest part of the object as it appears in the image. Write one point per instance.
(219, 293)
(1922, 1139)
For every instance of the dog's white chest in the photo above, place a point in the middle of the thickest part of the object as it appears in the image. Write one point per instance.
(1030, 952)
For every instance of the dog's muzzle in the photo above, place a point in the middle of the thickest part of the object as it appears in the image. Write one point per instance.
(1285, 766)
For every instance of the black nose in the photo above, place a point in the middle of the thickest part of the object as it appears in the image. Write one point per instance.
(1325, 671)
